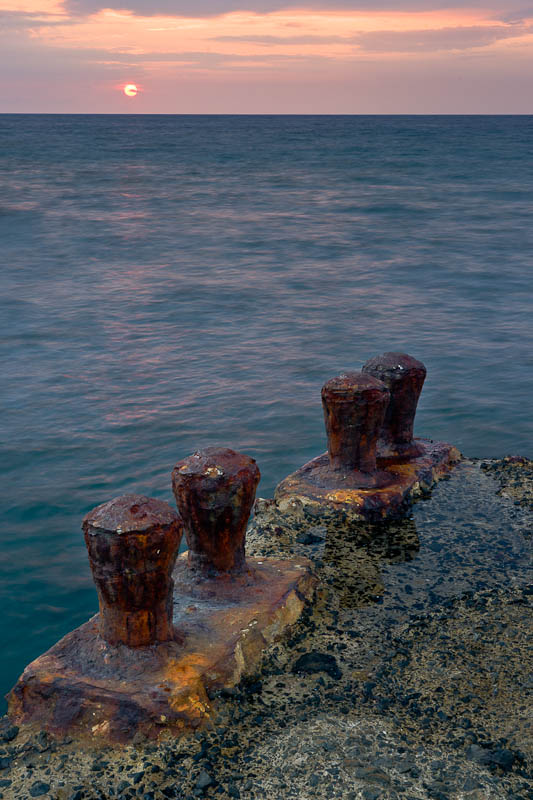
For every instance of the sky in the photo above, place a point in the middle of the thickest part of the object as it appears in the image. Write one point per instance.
(267, 56)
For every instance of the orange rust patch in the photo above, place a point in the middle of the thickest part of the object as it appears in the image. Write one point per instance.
(308, 486)
(101, 692)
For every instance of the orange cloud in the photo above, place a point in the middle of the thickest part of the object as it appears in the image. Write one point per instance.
(37, 7)
(345, 52)
(331, 35)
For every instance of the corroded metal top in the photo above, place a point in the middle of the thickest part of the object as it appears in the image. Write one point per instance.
(214, 490)
(348, 384)
(217, 464)
(130, 513)
(393, 366)
(404, 377)
(132, 543)
(354, 409)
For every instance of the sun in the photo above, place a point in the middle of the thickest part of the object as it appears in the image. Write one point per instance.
(130, 90)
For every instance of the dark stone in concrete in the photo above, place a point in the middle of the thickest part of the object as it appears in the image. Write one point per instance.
(39, 788)
(204, 780)
(502, 758)
(313, 662)
(309, 538)
(8, 732)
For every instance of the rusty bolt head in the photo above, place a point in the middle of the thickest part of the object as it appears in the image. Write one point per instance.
(133, 542)
(215, 490)
(354, 408)
(404, 377)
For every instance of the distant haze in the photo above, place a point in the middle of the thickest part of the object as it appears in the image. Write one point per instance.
(257, 56)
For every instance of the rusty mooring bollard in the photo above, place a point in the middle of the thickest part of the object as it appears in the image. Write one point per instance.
(215, 490)
(133, 542)
(354, 409)
(404, 377)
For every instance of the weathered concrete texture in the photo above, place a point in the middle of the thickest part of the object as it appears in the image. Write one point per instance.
(515, 475)
(83, 686)
(309, 487)
(410, 678)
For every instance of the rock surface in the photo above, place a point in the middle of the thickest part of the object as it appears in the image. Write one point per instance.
(429, 623)
(515, 474)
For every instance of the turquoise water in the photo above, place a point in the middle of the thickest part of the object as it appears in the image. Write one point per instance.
(173, 282)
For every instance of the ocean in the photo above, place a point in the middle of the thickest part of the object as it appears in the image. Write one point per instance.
(173, 282)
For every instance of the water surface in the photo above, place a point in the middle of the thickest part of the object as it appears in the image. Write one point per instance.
(173, 282)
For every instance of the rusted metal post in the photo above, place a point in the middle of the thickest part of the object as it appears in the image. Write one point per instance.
(354, 409)
(133, 542)
(404, 377)
(215, 490)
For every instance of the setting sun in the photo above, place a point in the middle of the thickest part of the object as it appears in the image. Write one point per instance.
(130, 90)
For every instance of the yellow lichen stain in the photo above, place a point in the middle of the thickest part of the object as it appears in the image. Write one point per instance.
(352, 496)
(188, 693)
(191, 701)
(102, 729)
(213, 472)
(48, 678)
(185, 670)
(405, 470)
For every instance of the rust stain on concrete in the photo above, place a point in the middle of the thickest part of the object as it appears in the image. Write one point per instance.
(86, 687)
